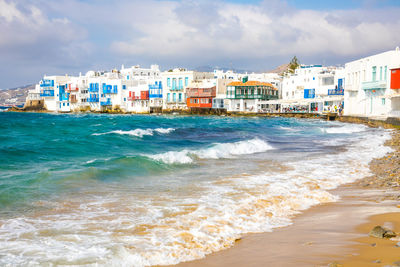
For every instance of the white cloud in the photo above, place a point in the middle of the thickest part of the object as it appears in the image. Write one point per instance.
(238, 30)
(26, 27)
(40, 36)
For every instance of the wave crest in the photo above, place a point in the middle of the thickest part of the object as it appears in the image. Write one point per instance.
(217, 151)
(140, 132)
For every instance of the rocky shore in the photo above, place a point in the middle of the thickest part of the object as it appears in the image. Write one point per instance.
(386, 170)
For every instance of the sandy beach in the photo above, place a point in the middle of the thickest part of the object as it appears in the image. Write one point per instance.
(333, 234)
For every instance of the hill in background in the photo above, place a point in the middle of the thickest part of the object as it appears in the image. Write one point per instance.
(15, 96)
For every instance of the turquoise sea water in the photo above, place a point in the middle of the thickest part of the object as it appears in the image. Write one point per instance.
(137, 190)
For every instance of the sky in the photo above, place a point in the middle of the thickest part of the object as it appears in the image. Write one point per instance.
(39, 37)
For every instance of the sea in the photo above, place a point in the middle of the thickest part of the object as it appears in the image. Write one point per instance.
(142, 190)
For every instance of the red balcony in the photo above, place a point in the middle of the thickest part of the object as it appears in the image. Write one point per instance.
(144, 95)
(202, 102)
(71, 88)
(201, 92)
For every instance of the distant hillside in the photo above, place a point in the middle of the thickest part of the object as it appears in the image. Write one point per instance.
(15, 96)
(280, 69)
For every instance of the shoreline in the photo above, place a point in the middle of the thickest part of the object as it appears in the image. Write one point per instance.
(332, 234)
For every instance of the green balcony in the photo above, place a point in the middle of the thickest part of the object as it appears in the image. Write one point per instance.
(374, 85)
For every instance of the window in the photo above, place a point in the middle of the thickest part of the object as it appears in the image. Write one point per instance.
(168, 97)
(173, 83)
(383, 101)
(180, 97)
(180, 83)
(169, 82)
(174, 97)
(186, 81)
(385, 73)
(374, 73)
(124, 86)
(127, 77)
(381, 74)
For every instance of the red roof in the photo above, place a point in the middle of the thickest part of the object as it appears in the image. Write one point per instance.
(251, 83)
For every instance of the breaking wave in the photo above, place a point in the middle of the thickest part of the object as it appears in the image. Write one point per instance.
(346, 129)
(140, 132)
(217, 151)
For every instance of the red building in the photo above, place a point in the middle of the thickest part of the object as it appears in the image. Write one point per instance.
(200, 97)
(395, 79)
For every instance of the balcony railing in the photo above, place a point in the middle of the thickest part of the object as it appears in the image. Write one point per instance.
(262, 97)
(110, 91)
(201, 92)
(155, 95)
(93, 99)
(335, 92)
(64, 97)
(106, 103)
(47, 83)
(374, 85)
(46, 93)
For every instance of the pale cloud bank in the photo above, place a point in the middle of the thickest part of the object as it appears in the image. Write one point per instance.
(38, 37)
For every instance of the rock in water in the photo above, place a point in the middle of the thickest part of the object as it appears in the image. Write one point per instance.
(381, 232)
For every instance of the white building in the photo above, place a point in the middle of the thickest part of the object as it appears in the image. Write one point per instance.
(175, 83)
(371, 86)
(98, 91)
(313, 88)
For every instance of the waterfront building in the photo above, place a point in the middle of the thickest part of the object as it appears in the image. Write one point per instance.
(155, 95)
(200, 94)
(138, 97)
(312, 88)
(175, 83)
(53, 91)
(245, 96)
(372, 86)
(97, 90)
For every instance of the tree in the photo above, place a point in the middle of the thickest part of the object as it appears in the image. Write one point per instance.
(294, 64)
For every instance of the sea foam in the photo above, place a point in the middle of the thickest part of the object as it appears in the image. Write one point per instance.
(140, 132)
(217, 151)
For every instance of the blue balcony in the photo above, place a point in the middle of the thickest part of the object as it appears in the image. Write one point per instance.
(47, 93)
(374, 85)
(47, 83)
(93, 88)
(335, 92)
(106, 103)
(93, 99)
(64, 97)
(155, 90)
(309, 93)
(108, 89)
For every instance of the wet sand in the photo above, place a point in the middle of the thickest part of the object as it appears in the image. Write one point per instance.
(331, 233)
